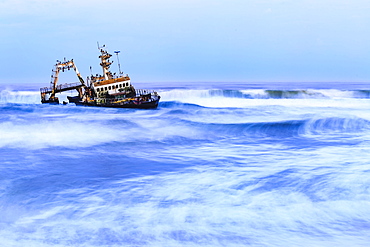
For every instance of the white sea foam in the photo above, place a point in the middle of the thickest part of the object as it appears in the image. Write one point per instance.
(269, 172)
(258, 97)
(336, 94)
(70, 126)
(223, 97)
(24, 97)
(213, 206)
(67, 132)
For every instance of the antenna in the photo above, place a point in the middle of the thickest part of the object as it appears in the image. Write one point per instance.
(119, 65)
(100, 47)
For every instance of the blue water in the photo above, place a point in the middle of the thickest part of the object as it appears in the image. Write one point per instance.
(221, 165)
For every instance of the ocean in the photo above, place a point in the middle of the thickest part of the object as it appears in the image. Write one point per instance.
(216, 164)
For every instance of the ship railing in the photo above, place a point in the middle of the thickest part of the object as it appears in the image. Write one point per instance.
(115, 76)
(61, 87)
(143, 92)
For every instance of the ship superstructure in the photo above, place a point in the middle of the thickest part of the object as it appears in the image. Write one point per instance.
(106, 90)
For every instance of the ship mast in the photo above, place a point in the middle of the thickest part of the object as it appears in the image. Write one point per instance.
(105, 63)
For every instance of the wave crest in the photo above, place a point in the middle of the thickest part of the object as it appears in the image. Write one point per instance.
(176, 94)
(287, 129)
(186, 95)
(20, 97)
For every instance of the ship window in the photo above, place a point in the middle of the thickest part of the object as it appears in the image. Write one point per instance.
(113, 87)
(106, 88)
(97, 90)
(126, 84)
(120, 85)
(109, 87)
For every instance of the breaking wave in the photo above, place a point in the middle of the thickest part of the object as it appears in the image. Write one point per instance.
(69, 126)
(284, 129)
(19, 97)
(266, 94)
(33, 97)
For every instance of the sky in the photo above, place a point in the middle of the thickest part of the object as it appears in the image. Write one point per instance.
(189, 40)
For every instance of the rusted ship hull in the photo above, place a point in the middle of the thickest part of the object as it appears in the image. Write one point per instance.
(128, 104)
